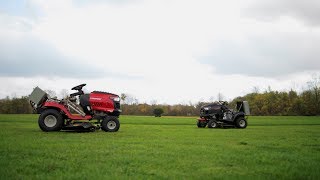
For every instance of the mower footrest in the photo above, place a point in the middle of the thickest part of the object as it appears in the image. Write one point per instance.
(85, 126)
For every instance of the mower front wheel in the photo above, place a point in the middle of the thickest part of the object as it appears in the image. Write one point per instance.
(50, 120)
(201, 124)
(110, 124)
(212, 124)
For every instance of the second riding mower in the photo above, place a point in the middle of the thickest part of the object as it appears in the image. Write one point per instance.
(67, 114)
(218, 114)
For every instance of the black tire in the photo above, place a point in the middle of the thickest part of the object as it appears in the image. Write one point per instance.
(201, 124)
(241, 122)
(50, 120)
(110, 124)
(92, 129)
(212, 124)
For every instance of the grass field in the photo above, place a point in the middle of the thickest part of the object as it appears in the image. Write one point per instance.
(162, 148)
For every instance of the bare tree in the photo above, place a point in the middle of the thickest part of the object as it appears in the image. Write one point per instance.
(135, 101)
(255, 89)
(314, 86)
(123, 97)
(211, 99)
(130, 100)
(51, 93)
(64, 93)
(220, 96)
(153, 102)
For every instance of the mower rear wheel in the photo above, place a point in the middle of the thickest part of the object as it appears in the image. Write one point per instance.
(241, 122)
(50, 120)
(110, 124)
(212, 124)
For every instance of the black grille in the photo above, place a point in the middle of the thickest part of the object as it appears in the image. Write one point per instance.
(117, 105)
(203, 112)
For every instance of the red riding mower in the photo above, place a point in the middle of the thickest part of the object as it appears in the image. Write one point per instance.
(67, 114)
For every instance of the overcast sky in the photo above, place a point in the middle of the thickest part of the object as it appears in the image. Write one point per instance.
(171, 51)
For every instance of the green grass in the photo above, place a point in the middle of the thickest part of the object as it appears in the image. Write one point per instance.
(162, 148)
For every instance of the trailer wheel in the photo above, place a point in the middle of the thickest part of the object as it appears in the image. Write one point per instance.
(241, 122)
(212, 124)
(110, 124)
(201, 124)
(50, 120)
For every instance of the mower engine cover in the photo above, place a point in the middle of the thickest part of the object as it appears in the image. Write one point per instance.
(101, 101)
(212, 109)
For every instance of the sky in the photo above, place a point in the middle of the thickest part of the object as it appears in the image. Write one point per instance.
(164, 51)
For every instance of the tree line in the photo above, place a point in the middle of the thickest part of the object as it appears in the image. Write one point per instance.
(269, 102)
(15, 105)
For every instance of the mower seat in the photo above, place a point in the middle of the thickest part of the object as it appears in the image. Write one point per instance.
(80, 92)
(84, 102)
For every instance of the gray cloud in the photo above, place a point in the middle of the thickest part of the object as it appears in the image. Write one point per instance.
(110, 2)
(32, 57)
(306, 11)
(273, 53)
(24, 55)
(25, 9)
(273, 56)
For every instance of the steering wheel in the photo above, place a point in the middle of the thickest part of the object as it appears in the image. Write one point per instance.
(79, 87)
